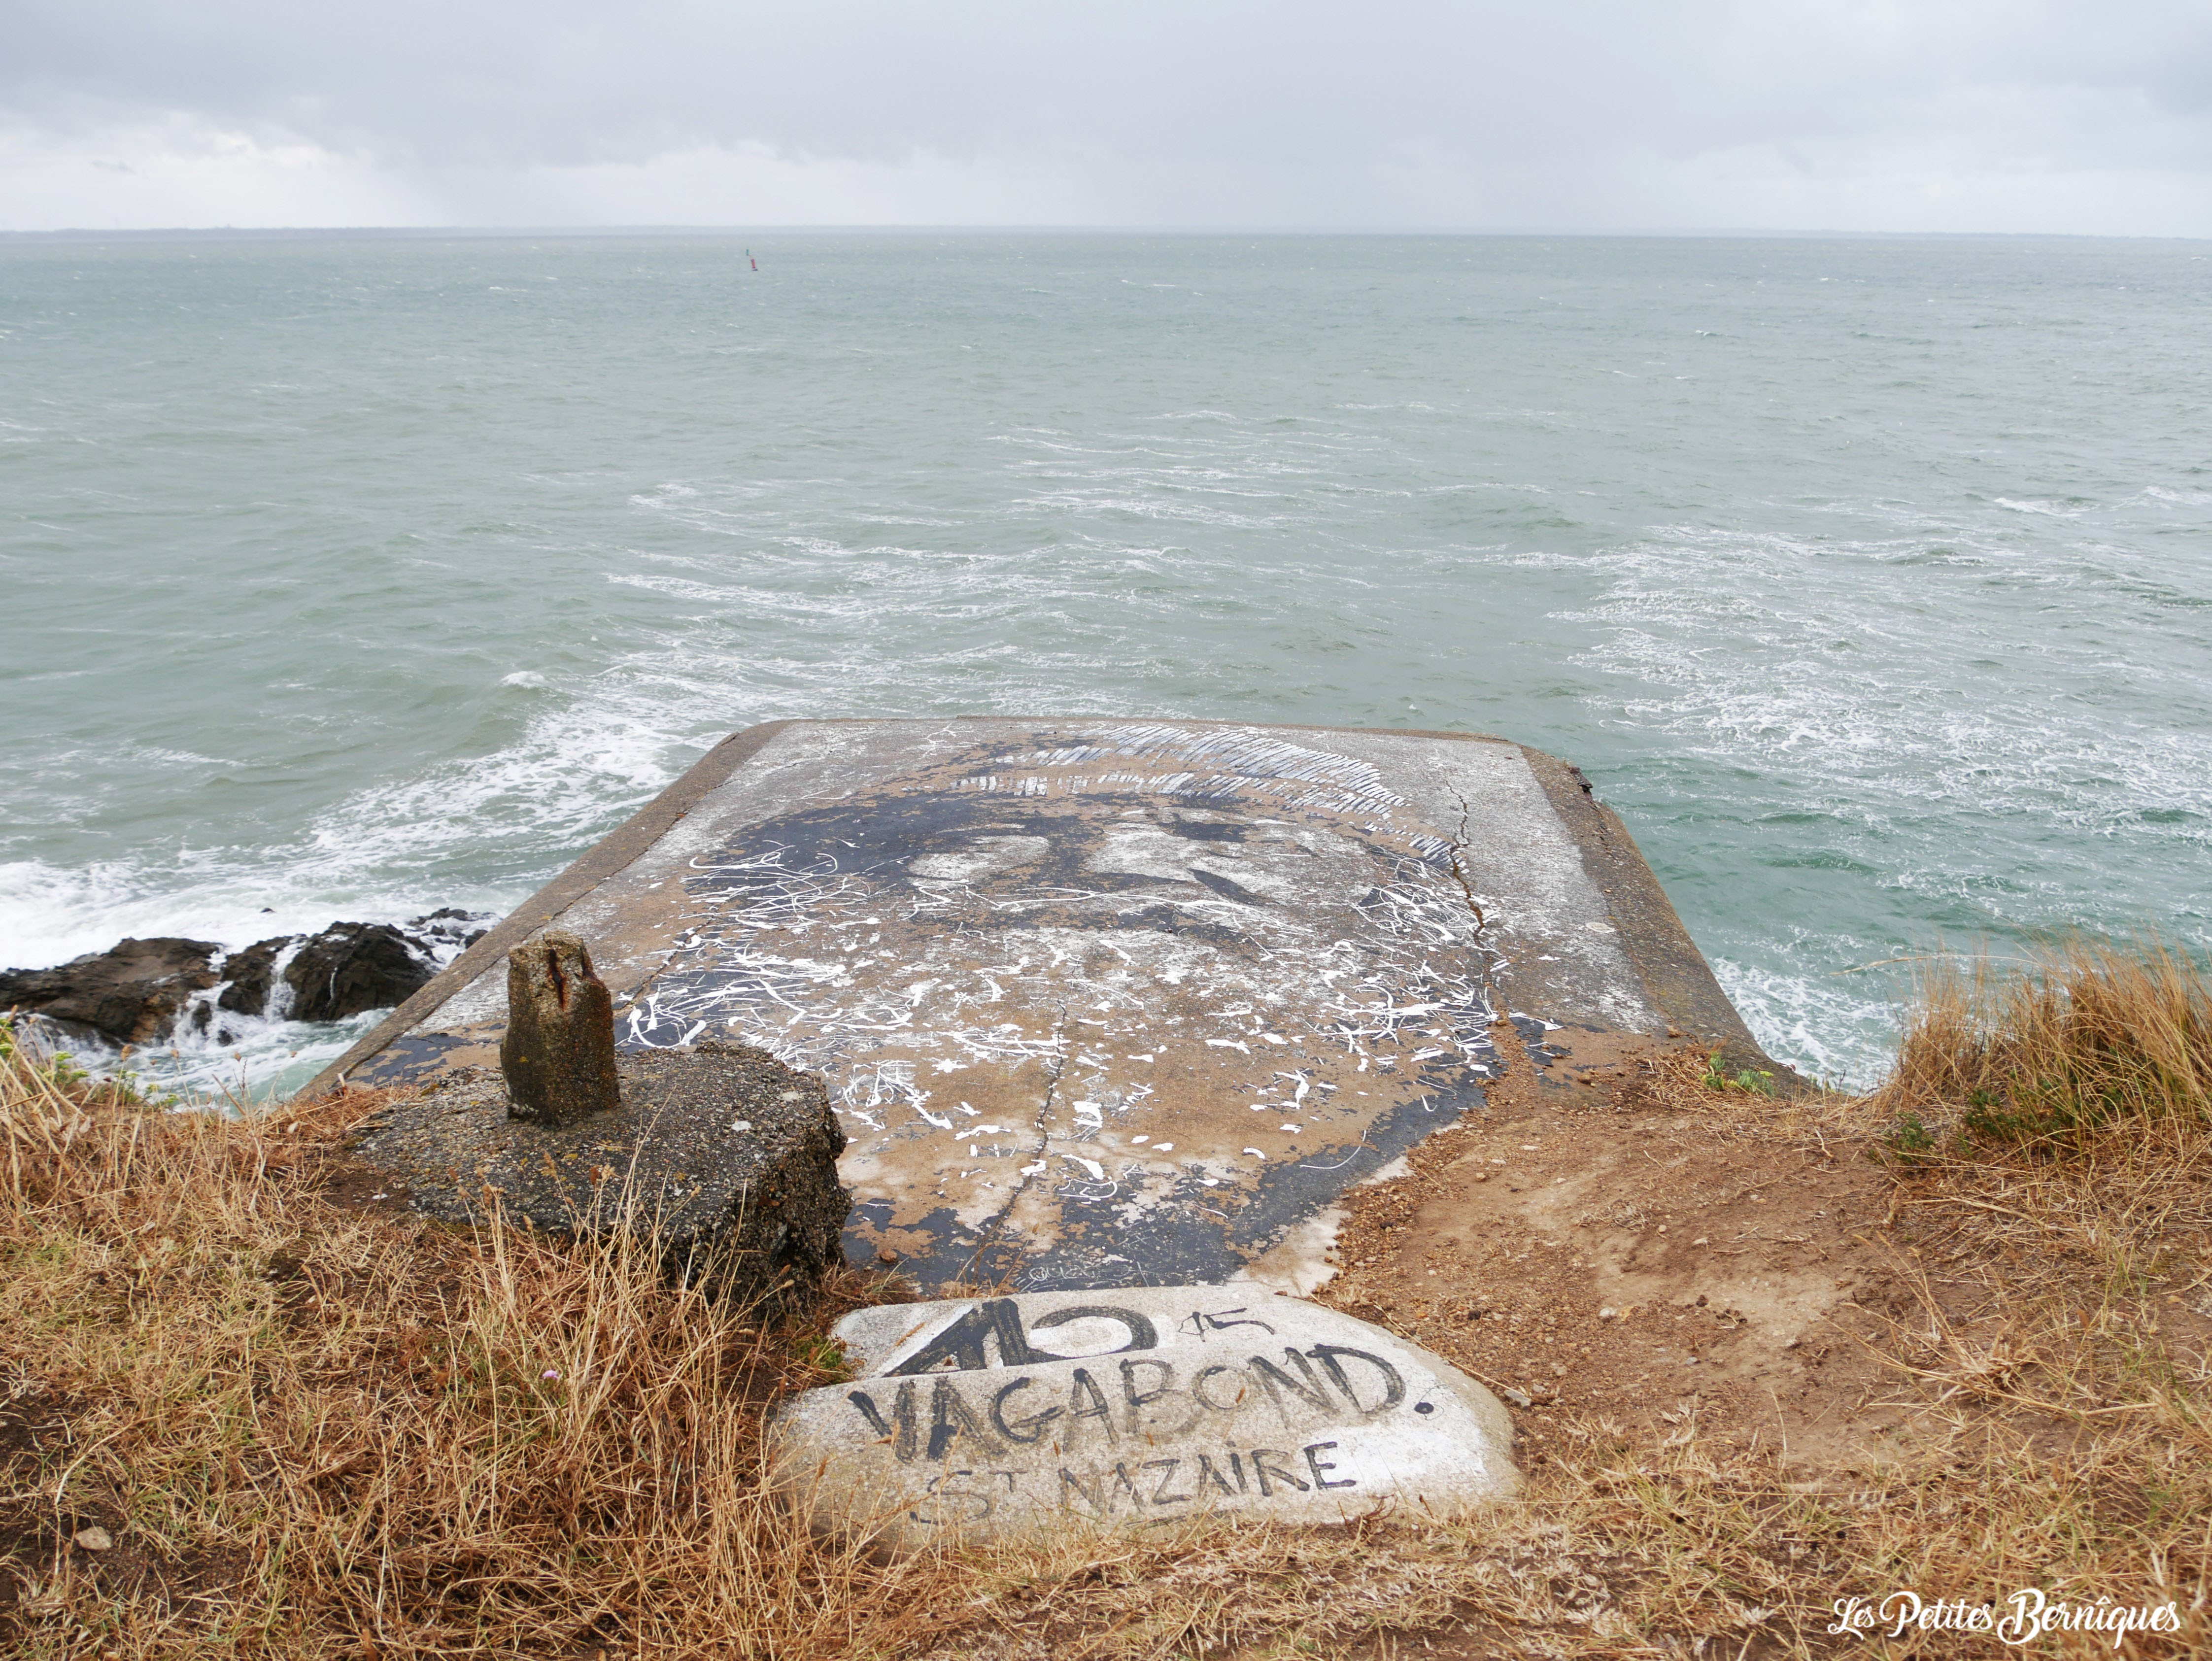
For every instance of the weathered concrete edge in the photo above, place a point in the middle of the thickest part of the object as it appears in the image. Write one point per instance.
(1675, 974)
(608, 856)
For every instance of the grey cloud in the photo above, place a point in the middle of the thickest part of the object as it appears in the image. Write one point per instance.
(1505, 97)
(492, 83)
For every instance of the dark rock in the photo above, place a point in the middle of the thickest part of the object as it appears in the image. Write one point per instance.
(349, 966)
(132, 993)
(449, 927)
(721, 1154)
(558, 1052)
(248, 975)
(354, 966)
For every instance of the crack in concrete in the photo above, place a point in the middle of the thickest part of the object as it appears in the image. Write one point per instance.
(1483, 957)
(1459, 870)
(1493, 996)
(987, 1234)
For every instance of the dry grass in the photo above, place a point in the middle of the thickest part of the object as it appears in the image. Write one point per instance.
(2090, 1040)
(315, 1432)
(312, 1432)
(2053, 1134)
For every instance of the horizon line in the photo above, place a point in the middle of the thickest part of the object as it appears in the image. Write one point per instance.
(90, 232)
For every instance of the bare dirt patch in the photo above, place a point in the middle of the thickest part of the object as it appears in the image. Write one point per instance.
(1599, 1243)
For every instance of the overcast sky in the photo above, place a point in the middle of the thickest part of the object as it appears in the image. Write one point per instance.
(1884, 115)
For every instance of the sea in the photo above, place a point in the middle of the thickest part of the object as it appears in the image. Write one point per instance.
(1868, 579)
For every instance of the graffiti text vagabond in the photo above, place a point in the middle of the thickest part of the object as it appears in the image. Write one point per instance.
(1131, 1406)
(1135, 1396)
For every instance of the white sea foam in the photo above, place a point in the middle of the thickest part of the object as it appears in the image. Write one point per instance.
(50, 913)
(1761, 660)
(263, 1061)
(2053, 509)
(1843, 1032)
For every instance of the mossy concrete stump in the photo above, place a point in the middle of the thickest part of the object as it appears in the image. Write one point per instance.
(558, 1054)
(719, 1154)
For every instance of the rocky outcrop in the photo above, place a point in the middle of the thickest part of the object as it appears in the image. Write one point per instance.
(132, 993)
(347, 969)
(137, 992)
(353, 966)
(449, 927)
(248, 975)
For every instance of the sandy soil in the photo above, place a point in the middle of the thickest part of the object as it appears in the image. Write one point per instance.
(1590, 1245)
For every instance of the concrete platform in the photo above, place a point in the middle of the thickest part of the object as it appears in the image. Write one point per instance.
(1107, 1002)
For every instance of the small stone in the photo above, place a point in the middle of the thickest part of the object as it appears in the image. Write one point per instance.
(95, 1538)
(558, 1055)
(887, 1256)
(1608, 1313)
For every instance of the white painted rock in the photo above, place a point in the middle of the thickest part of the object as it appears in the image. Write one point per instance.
(1132, 1407)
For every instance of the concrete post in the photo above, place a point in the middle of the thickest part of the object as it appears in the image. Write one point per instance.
(558, 1054)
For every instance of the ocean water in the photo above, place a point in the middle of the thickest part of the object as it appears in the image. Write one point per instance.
(1866, 579)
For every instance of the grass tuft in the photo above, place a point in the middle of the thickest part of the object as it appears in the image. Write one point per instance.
(2091, 1038)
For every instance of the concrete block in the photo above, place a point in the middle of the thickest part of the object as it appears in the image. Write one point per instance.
(721, 1153)
(558, 1052)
